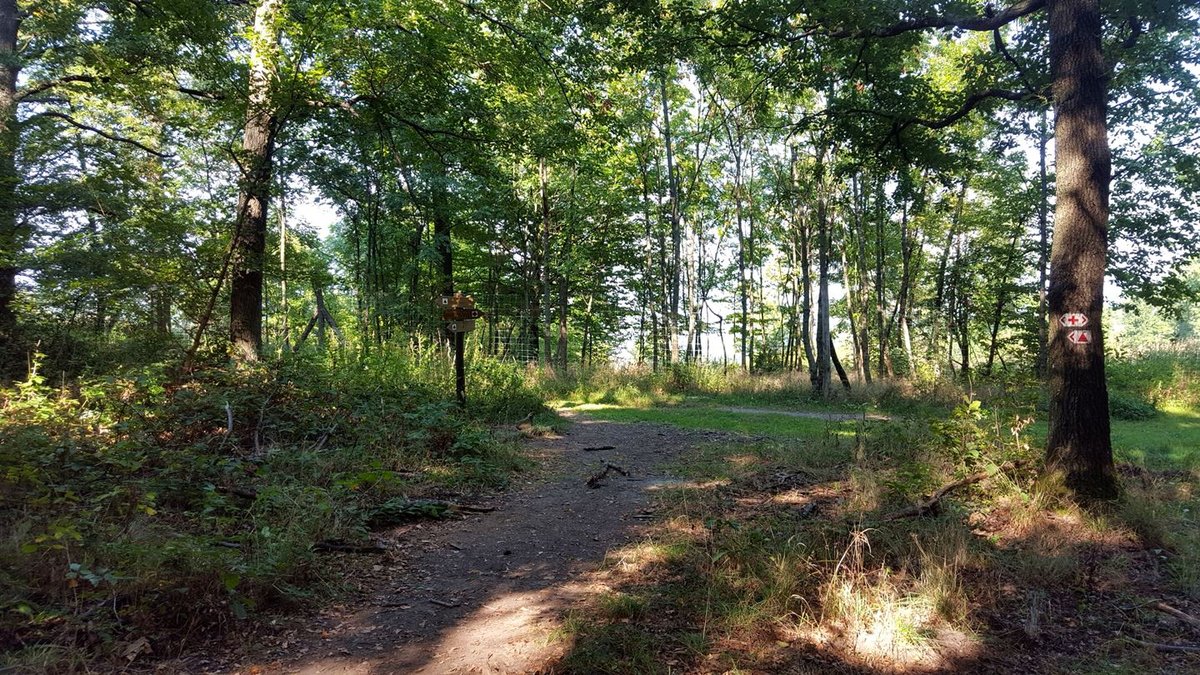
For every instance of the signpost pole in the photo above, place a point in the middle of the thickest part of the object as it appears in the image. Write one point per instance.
(460, 313)
(460, 376)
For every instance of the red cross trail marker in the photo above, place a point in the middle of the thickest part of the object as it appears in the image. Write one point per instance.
(1073, 320)
(1080, 337)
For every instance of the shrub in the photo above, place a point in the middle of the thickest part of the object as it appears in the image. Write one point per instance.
(134, 505)
(1130, 407)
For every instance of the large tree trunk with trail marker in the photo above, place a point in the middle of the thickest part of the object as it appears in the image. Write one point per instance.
(1078, 444)
(250, 225)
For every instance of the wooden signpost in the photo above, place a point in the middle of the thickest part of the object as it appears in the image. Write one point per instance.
(459, 313)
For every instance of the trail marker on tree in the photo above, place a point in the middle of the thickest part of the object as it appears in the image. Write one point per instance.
(1080, 337)
(1073, 320)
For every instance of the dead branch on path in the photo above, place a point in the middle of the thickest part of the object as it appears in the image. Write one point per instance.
(594, 481)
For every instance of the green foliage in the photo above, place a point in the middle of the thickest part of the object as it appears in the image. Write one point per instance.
(1129, 407)
(138, 506)
(1160, 376)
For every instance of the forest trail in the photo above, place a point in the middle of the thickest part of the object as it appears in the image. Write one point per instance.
(485, 594)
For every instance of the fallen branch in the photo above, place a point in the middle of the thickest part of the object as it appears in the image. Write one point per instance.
(338, 546)
(597, 448)
(1182, 616)
(443, 603)
(466, 508)
(244, 493)
(1164, 647)
(594, 481)
(930, 505)
(397, 511)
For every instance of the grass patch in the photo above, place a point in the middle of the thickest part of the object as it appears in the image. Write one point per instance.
(1169, 440)
(702, 417)
(775, 557)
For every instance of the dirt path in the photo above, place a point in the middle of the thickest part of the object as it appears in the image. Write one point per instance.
(484, 595)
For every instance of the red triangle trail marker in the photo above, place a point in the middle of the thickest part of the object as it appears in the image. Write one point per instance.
(1080, 337)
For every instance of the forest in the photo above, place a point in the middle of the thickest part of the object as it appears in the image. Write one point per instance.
(599, 336)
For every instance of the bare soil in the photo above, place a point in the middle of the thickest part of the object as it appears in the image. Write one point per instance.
(484, 594)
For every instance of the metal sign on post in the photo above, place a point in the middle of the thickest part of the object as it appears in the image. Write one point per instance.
(459, 313)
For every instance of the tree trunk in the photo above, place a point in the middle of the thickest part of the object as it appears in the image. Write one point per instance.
(1043, 245)
(1078, 444)
(837, 364)
(940, 296)
(250, 225)
(823, 338)
(743, 286)
(12, 238)
(442, 240)
(907, 247)
(883, 330)
(161, 302)
(805, 283)
(864, 341)
(672, 319)
(858, 364)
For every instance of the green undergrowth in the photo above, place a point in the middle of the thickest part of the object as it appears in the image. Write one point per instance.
(700, 417)
(713, 385)
(140, 512)
(781, 556)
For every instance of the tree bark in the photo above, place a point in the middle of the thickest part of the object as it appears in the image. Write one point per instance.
(12, 238)
(1078, 444)
(250, 225)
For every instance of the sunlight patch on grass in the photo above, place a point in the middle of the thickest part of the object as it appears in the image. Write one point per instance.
(1170, 440)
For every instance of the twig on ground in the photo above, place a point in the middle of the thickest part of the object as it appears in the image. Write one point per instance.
(443, 603)
(594, 481)
(597, 448)
(1182, 616)
(1164, 647)
(336, 546)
